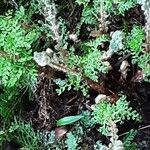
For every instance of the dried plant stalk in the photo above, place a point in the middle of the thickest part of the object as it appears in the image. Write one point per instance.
(145, 6)
(103, 23)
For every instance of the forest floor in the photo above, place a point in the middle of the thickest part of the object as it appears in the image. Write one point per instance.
(47, 106)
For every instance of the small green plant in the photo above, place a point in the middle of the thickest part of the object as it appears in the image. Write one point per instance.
(9, 99)
(23, 134)
(18, 69)
(81, 67)
(88, 65)
(118, 7)
(135, 41)
(68, 120)
(73, 81)
(109, 116)
(71, 142)
(105, 112)
(143, 62)
(128, 140)
(91, 10)
(16, 63)
(73, 139)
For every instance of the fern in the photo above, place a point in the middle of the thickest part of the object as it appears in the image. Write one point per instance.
(127, 140)
(143, 62)
(87, 121)
(94, 44)
(9, 102)
(119, 7)
(91, 63)
(71, 142)
(83, 2)
(74, 81)
(80, 67)
(17, 67)
(118, 113)
(91, 10)
(135, 41)
(16, 63)
(23, 134)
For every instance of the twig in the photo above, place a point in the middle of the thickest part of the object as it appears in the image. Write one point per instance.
(142, 128)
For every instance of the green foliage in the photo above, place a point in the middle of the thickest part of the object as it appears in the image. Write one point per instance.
(118, 7)
(89, 65)
(23, 134)
(127, 140)
(49, 139)
(118, 113)
(135, 41)
(17, 71)
(92, 64)
(82, 2)
(87, 121)
(62, 86)
(127, 143)
(74, 81)
(75, 137)
(8, 102)
(17, 67)
(16, 63)
(68, 120)
(93, 44)
(71, 142)
(143, 62)
(91, 10)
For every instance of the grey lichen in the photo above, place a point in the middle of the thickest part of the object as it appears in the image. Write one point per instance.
(49, 58)
(116, 43)
(49, 12)
(145, 6)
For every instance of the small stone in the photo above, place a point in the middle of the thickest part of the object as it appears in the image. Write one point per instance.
(73, 37)
(41, 58)
(60, 132)
(107, 64)
(49, 51)
(100, 97)
(124, 65)
(92, 107)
